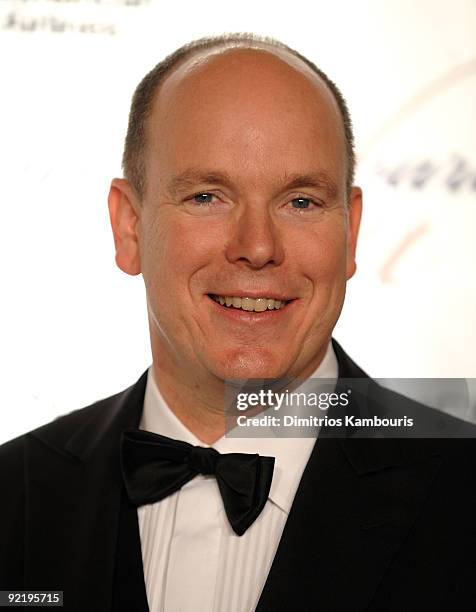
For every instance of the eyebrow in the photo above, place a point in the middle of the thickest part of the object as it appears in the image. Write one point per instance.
(190, 178)
(317, 180)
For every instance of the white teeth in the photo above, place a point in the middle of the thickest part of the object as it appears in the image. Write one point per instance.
(250, 304)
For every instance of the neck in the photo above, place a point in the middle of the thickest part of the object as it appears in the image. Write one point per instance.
(197, 398)
(198, 404)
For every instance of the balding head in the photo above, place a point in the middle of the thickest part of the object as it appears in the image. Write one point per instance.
(210, 63)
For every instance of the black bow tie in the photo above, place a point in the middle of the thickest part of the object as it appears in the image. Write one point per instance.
(154, 467)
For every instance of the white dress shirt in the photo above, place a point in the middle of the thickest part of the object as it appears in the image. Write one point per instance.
(193, 560)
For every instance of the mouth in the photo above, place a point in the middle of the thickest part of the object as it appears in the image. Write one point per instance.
(249, 304)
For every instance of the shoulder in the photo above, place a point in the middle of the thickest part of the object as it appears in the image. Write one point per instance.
(97, 417)
(41, 460)
(421, 421)
(14, 453)
(376, 401)
(64, 423)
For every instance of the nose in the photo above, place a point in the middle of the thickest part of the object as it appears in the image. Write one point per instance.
(254, 239)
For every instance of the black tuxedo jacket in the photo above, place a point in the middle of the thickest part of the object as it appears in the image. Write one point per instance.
(376, 524)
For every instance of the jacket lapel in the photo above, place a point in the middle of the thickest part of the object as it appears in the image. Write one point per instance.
(74, 499)
(356, 502)
(128, 592)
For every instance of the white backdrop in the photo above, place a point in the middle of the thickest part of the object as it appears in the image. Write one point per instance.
(73, 328)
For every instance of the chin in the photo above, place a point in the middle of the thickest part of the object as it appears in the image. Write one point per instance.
(250, 364)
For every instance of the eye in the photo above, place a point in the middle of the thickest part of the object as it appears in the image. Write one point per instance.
(207, 203)
(304, 204)
(301, 203)
(203, 198)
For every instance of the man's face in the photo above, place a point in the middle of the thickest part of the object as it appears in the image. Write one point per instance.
(245, 202)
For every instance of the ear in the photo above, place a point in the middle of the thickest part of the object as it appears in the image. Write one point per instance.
(124, 215)
(354, 215)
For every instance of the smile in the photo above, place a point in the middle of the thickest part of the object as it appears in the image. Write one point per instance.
(249, 304)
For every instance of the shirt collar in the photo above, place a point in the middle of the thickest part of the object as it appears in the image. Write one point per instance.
(291, 454)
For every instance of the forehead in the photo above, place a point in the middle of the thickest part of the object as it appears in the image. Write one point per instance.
(269, 65)
(260, 104)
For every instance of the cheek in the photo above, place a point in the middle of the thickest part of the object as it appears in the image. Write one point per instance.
(322, 256)
(175, 248)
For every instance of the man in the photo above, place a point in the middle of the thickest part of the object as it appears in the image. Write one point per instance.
(239, 210)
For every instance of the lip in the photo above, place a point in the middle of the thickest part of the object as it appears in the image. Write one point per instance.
(272, 295)
(253, 318)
